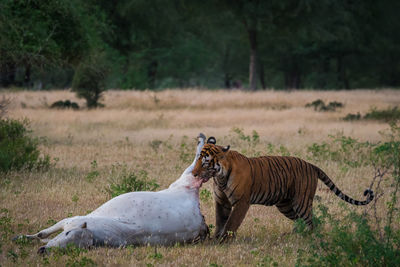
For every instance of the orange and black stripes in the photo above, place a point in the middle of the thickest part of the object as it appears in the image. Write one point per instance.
(289, 183)
(328, 182)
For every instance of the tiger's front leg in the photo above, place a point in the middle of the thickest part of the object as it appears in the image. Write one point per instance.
(222, 212)
(235, 219)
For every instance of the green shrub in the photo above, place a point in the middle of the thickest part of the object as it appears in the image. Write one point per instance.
(342, 149)
(17, 149)
(389, 114)
(130, 182)
(361, 239)
(89, 82)
(67, 104)
(350, 241)
(386, 115)
(319, 105)
(352, 117)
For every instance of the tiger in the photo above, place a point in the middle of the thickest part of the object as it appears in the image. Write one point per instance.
(287, 182)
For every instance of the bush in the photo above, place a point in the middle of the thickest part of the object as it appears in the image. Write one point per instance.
(89, 82)
(386, 115)
(361, 239)
(319, 105)
(17, 149)
(67, 104)
(130, 182)
(389, 114)
(352, 117)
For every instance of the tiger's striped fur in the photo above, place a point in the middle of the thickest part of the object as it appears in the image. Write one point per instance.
(289, 183)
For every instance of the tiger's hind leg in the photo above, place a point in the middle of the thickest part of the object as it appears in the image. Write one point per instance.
(304, 212)
(286, 208)
(290, 211)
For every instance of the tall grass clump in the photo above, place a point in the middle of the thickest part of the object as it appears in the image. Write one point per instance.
(361, 239)
(18, 149)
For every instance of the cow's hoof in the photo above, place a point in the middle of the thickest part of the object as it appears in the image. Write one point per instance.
(15, 238)
(41, 250)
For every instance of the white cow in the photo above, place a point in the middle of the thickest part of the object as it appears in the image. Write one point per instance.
(157, 218)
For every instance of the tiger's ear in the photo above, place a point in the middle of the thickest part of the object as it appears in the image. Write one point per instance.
(211, 140)
(225, 149)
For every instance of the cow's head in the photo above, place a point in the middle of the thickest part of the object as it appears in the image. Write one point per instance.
(81, 237)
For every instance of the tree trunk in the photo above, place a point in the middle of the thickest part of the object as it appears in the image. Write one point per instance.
(293, 78)
(226, 68)
(262, 78)
(322, 81)
(253, 59)
(152, 73)
(27, 77)
(341, 73)
(227, 80)
(7, 74)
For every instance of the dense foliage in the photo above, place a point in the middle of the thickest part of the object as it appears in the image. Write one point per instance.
(158, 44)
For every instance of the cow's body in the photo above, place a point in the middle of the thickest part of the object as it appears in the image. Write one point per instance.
(158, 218)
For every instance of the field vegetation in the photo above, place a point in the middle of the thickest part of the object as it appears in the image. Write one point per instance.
(144, 140)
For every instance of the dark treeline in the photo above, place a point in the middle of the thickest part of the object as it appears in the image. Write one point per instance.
(212, 43)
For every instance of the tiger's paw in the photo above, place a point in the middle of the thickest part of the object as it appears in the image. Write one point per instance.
(227, 237)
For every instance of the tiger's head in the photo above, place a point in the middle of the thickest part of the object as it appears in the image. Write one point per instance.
(211, 161)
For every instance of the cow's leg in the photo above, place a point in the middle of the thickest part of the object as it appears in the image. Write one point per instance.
(201, 139)
(48, 231)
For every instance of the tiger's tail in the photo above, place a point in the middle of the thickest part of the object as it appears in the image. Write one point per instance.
(328, 182)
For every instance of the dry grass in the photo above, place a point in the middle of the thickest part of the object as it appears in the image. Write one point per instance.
(123, 132)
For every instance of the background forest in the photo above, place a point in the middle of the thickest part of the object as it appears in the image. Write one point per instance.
(215, 44)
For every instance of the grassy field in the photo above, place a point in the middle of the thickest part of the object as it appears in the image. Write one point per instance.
(154, 133)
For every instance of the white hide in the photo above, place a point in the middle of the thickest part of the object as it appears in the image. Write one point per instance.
(158, 218)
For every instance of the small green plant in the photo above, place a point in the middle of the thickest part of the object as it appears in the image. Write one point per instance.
(18, 149)
(82, 262)
(93, 173)
(320, 105)
(185, 151)
(267, 261)
(5, 224)
(74, 256)
(155, 144)
(205, 195)
(75, 198)
(130, 182)
(241, 134)
(252, 140)
(155, 255)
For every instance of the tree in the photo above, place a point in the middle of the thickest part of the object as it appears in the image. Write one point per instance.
(89, 81)
(38, 33)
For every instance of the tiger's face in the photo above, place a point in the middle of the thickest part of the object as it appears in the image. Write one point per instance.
(210, 162)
